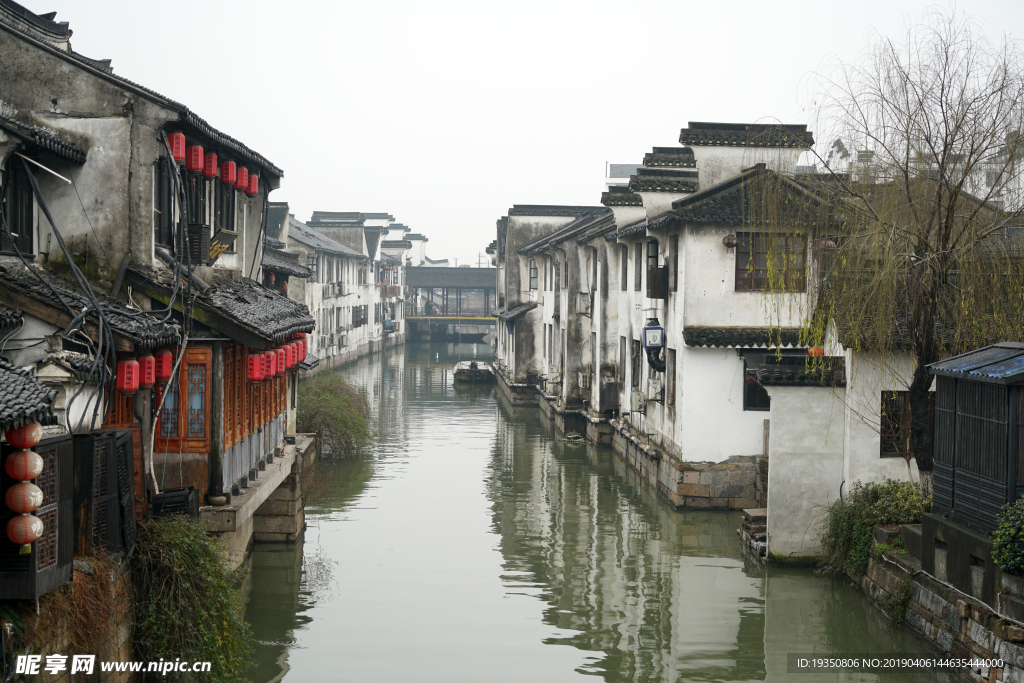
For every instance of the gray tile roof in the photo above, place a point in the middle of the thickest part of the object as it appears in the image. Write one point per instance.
(586, 221)
(275, 262)
(44, 140)
(678, 157)
(309, 362)
(821, 372)
(741, 337)
(664, 179)
(621, 196)
(303, 234)
(746, 134)
(516, 311)
(22, 398)
(259, 311)
(143, 331)
(9, 317)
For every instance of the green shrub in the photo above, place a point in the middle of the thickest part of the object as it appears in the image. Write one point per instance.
(186, 603)
(846, 535)
(337, 412)
(1008, 539)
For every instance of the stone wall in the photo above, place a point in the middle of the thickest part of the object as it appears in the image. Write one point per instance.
(956, 624)
(737, 483)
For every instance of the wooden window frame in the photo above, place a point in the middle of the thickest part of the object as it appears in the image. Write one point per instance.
(181, 442)
(163, 203)
(533, 274)
(624, 267)
(755, 398)
(673, 273)
(638, 257)
(752, 277)
(18, 206)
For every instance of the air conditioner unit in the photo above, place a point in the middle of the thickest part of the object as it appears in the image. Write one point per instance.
(583, 303)
(344, 340)
(637, 401)
(583, 379)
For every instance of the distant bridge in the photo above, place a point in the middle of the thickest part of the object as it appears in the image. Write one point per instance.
(445, 294)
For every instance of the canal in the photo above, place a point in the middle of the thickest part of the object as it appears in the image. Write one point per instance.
(471, 543)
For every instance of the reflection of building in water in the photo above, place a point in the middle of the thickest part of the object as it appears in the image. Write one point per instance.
(274, 597)
(662, 595)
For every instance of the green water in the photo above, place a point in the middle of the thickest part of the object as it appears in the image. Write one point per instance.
(471, 544)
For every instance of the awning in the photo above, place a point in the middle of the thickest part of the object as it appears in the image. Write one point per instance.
(514, 313)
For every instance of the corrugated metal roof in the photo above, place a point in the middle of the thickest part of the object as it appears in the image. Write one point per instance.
(1001, 363)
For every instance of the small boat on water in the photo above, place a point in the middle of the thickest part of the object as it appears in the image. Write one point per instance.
(473, 371)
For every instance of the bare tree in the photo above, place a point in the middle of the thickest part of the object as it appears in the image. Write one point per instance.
(923, 256)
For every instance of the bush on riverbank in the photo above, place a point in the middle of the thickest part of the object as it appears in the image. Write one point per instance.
(1008, 539)
(186, 603)
(846, 536)
(337, 412)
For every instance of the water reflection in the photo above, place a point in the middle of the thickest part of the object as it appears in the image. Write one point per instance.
(471, 543)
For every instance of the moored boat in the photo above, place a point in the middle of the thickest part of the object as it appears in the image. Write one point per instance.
(473, 371)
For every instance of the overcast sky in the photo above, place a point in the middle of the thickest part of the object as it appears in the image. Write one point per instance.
(446, 114)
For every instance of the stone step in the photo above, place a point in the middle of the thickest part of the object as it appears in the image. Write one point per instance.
(755, 515)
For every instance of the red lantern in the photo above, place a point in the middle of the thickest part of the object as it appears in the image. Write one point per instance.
(302, 350)
(228, 173)
(25, 436)
(164, 366)
(23, 530)
(210, 165)
(147, 371)
(282, 360)
(24, 497)
(271, 278)
(177, 144)
(128, 376)
(23, 465)
(815, 352)
(295, 354)
(194, 159)
(269, 364)
(254, 367)
(242, 181)
(254, 186)
(284, 286)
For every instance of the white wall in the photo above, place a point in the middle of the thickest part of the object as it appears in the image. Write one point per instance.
(806, 451)
(868, 375)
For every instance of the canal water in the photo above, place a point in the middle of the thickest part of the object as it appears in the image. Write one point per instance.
(471, 543)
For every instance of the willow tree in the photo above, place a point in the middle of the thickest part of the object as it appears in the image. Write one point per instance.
(925, 171)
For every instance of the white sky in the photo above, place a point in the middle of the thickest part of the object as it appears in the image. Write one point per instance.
(444, 114)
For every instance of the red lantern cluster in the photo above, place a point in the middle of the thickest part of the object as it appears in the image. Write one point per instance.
(24, 497)
(176, 141)
(147, 371)
(194, 159)
(210, 165)
(254, 367)
(242, 180)
(228, 173)
(164, 365)
(254, 186)
(128, 376)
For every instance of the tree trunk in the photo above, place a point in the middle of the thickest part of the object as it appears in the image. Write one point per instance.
(926, 350)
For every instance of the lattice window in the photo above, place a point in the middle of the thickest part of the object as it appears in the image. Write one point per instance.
(764, 261)
(46, 546)
(169, 411)
(47, 479)
(197, 393)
